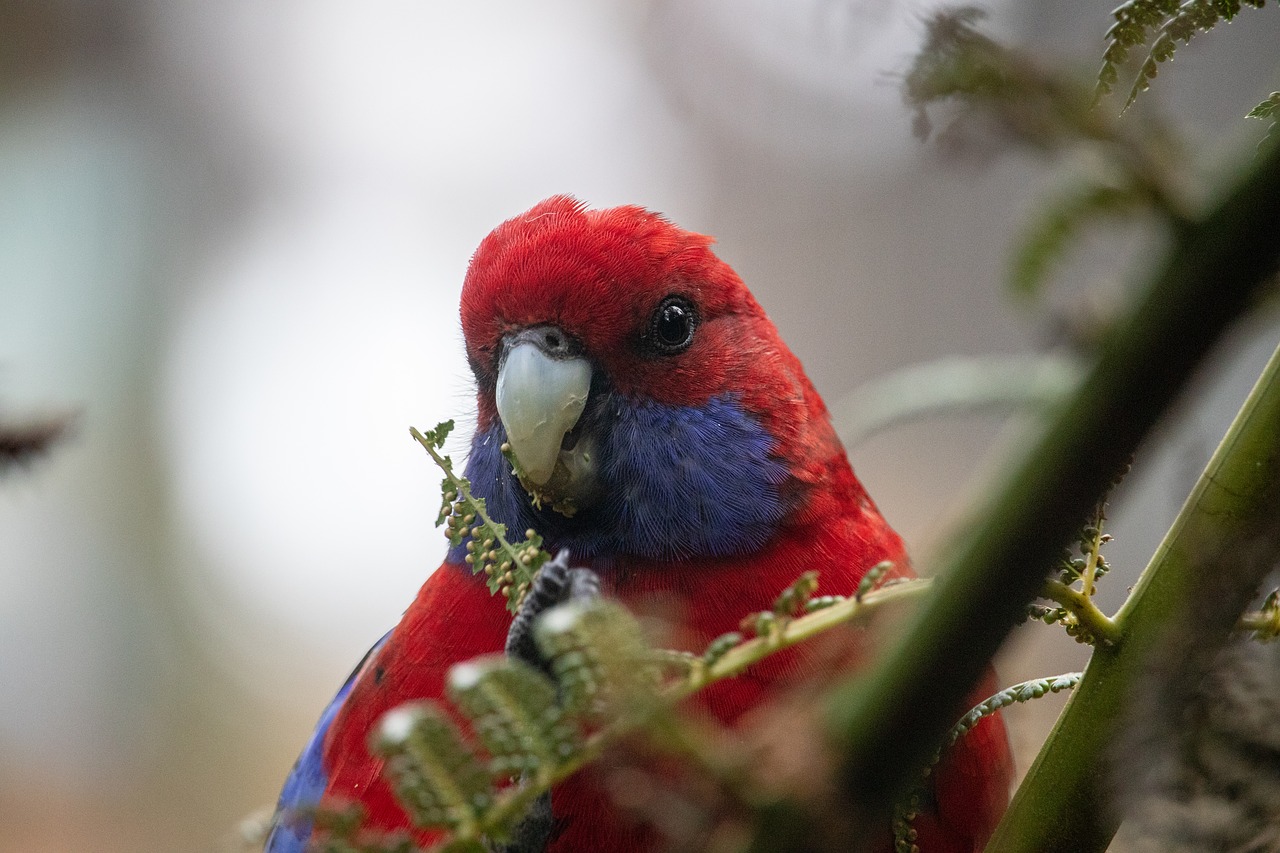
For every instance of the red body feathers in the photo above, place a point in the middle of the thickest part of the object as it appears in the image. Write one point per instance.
(776, 500)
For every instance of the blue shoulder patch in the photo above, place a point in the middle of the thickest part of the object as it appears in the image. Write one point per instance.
(290, 832)
(676, 482)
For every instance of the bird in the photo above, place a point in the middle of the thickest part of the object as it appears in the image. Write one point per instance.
(670, 442)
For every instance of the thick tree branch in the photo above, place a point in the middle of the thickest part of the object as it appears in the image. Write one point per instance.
(1182, 610)
(888, 722)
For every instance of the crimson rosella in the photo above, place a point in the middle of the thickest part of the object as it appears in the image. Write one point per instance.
(635, 377)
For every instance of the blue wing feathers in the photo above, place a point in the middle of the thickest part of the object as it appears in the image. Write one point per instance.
(306, 783)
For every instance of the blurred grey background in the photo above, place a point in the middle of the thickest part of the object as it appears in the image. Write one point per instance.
(232, 237)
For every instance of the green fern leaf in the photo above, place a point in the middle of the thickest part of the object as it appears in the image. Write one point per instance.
(907, 811)
(436, 774)
(599, 659)
(1176, 23)
(514, 711)
(1018, 693)
(1133, 20)
(1270, 108)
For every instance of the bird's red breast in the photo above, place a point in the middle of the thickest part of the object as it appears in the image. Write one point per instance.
(716, 480)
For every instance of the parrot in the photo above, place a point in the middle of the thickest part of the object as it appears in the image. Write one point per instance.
(669, 442)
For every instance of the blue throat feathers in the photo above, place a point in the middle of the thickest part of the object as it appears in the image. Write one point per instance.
(676, 482)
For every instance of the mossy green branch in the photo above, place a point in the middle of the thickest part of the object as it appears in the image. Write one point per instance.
(1063, 804)
(889, 721)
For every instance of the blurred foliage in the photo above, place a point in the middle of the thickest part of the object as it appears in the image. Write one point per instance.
(24, 441)
(524, 731)
(1127, 169)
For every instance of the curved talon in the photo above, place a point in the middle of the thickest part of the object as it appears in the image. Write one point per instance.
(583, 584)
(547, 591)
(554, 584)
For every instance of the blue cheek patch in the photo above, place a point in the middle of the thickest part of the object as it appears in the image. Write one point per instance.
(675, 482)
(308, 779)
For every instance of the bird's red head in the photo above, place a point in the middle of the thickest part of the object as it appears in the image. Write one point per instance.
(609, 279)
(603, 337)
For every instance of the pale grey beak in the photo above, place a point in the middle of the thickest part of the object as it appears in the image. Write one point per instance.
(542, 390)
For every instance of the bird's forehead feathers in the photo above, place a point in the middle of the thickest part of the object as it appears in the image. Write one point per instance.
(597, 274)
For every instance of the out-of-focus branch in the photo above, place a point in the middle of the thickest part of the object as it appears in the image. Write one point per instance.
(951, 386)
(23, 442)
(888, 722)
(1183, 608)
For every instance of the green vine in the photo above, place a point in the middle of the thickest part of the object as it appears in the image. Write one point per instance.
(904, 835)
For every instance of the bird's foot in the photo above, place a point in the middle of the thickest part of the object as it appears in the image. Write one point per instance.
(556, 583)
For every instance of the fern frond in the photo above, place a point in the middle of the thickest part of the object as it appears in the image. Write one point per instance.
(959, 63)
(906, 812)
(508, 568)
(1134, 21)
(1270, 108)
(600, 660)
(436, 774)
(514, 712)
(1171, 22)
(608, 682)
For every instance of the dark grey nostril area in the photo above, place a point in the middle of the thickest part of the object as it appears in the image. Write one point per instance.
(551, 340)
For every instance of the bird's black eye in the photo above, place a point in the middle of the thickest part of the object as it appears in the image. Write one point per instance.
(671, 327)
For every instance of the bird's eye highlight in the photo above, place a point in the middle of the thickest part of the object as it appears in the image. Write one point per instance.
(672, 325)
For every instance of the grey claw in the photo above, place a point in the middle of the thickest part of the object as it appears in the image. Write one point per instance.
(554, 584)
